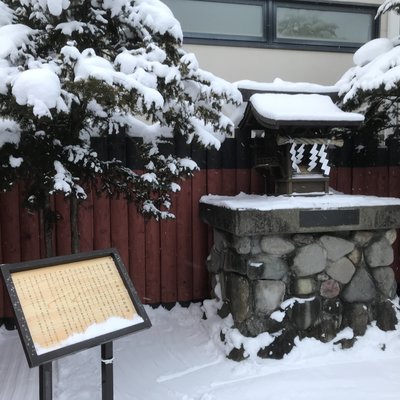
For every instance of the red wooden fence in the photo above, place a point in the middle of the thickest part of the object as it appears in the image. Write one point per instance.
(166, 260)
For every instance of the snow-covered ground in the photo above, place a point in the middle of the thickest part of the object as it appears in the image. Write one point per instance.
(180, 358)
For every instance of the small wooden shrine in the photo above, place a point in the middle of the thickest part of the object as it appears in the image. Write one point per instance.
(292, 133)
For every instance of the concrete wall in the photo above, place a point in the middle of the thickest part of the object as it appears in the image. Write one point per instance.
(236, 63)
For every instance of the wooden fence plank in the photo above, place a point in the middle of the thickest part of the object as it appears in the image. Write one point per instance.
(101, 222)
(358, 180)
(30, 235)
(10, 234)
(137, 250)
(382, 181)
(228, 182)
(199, 239)
(333, 176)
(85, 219)
(30, 231)
(168, 255)
(256, 183)
(153, 262)
(63, 226)
(344, 180)
(243, 180)
(119, 227)
(184, 242)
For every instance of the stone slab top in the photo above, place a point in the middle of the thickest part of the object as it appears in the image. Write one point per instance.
(248, 215)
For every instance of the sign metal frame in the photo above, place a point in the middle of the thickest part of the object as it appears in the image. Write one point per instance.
(34, 359)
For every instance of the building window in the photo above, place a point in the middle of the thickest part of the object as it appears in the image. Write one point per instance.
(303, 22)
(220, 19)
(306, 24)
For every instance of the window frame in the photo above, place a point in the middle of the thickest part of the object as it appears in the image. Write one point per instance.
(232, 38)
(270, 40)
(357, 8)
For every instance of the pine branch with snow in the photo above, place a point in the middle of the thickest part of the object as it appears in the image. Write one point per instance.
(74, 70)
(372, 87)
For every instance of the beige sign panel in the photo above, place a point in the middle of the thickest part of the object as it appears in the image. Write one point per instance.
(61, 301)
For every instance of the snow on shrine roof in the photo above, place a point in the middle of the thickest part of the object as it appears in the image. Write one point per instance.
(282, 109)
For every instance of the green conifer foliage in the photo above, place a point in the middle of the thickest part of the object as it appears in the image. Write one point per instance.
(74, 70)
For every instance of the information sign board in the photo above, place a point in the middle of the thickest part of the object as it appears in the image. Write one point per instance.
(67, 304)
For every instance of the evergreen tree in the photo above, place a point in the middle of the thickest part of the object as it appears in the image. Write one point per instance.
(372, 86)
(74, 70)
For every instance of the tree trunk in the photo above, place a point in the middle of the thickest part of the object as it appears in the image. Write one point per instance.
(74, 207)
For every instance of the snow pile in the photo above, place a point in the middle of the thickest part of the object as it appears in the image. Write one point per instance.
(39, 88)
(157, 16)
(6, 14)
(251, 345)
(13, 37)
(180, 359)
(387, 5)
(112, 324)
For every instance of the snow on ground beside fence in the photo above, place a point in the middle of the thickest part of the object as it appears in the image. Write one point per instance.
(181, 358)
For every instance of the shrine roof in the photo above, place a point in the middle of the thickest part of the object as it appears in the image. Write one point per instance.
(275, 110)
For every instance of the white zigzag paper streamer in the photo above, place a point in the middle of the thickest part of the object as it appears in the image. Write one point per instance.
(293, 157)
(313, 157)
(324, 161)
(300, 154)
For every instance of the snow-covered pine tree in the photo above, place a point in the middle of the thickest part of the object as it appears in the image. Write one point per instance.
(372, 86)
(74, 70)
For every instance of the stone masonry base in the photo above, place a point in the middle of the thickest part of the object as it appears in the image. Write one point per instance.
(306, 285)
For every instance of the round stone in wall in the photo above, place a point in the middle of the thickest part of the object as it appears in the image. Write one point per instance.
(330, 289)
(363, 237)
(379, 253)
(268, 295)
(341, 270)
(355, 256)
(302, 239)
(276, 245)
(238, 293)
(242, 245)
(385, 281)
(303, 286)
(391, 235)
(264, 266)
(309, 260)
(360, 289)
(336, 247)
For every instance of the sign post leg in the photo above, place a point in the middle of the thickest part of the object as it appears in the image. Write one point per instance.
(46, 381)
(107, 373)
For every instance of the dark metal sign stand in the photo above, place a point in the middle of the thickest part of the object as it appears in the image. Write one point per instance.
(107, 371)
(107, 375)
(46, 381)
(44, 360)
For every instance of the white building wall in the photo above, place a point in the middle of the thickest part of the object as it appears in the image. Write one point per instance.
(237, 63)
